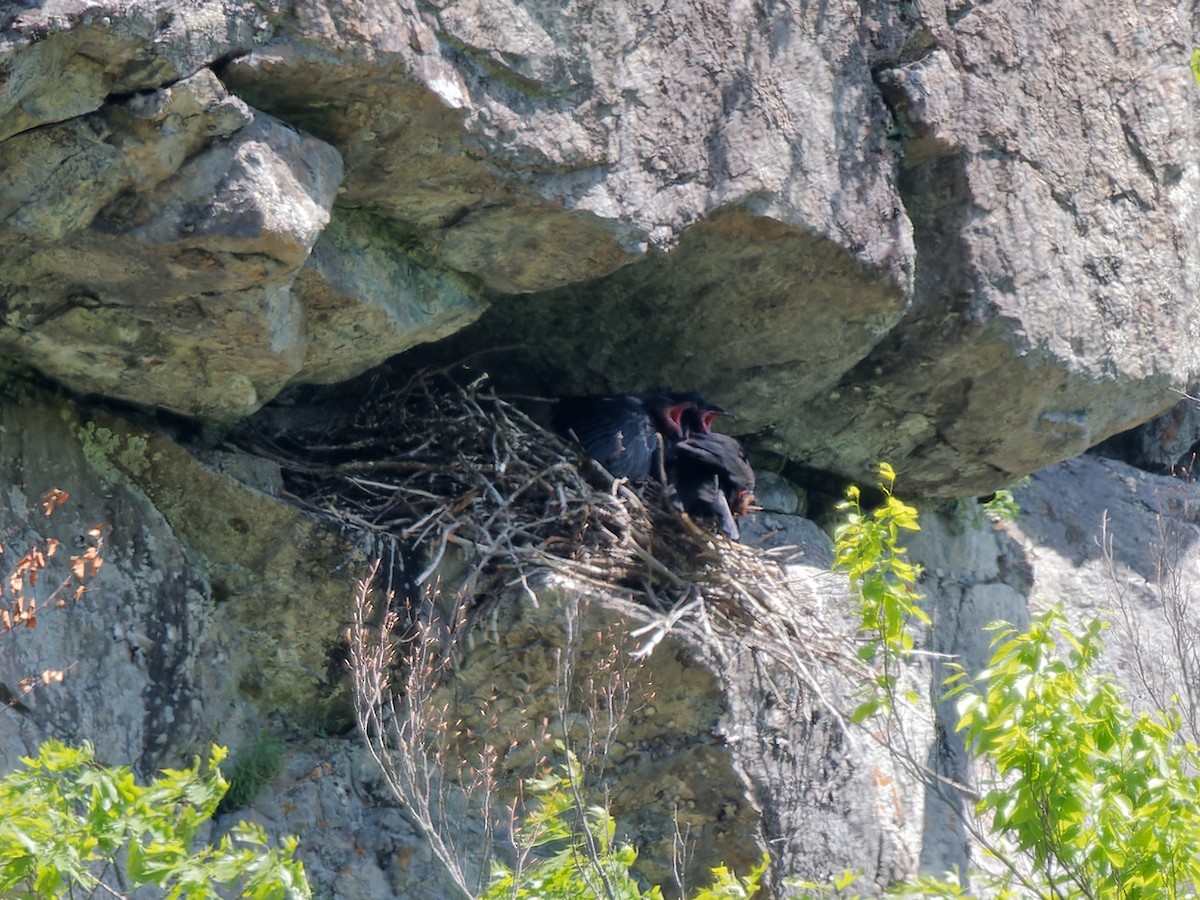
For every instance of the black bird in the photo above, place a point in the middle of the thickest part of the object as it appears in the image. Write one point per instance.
(712, 480)
(1185, 467)
(621, 432)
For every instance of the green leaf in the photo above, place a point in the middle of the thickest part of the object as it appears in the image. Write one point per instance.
(63, 816)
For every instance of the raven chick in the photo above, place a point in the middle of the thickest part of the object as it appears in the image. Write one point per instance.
(621, 432)
(712, 480)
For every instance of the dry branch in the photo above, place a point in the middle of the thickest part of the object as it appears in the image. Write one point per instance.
(440, 464)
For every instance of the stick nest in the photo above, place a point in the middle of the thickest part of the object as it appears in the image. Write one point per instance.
(442, 462)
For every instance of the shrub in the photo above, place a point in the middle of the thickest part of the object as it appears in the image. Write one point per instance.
(257, 765)
(1080, 797)
(867, 548)
(565, 852)
(67, 821)
(1102, 801)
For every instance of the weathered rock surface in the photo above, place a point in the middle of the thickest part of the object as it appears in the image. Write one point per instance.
(716, 740)
(1052, 206)
(979, 571)
(65, 58)
(220, 620)
(960, 241)
(206, 616)
(533, 155)
(362, 846)
(364, 298)
(1043, 317)
(149, 248)
(152, 228)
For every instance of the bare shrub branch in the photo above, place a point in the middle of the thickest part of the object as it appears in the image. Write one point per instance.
(412, 733)
(40, 580)
(1170, 679)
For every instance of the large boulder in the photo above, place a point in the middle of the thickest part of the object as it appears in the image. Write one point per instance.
(152, 225)
(1053, 257)
(221, 612)
(957, 241)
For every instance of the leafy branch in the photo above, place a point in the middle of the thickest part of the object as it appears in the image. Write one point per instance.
(867, 548)
(67, 821)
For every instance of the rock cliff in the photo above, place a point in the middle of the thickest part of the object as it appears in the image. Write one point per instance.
(960, 238)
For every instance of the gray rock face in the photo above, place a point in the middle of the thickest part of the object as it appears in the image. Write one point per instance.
(217, 620)
(152, 240)
(150, 248)
(543, 144)
(959, 242)
(65, 58)
(134, 665)
(199, 608)
(935, 295)
(1034, 189)
(959, 239)
(980, 571)
(991, 362)
(365, 299)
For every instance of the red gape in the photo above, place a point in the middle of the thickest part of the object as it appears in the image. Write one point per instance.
(639, 435)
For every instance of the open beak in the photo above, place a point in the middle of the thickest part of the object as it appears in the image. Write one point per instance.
(711, 413)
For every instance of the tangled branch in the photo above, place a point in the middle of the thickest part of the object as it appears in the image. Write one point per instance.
(440, 464)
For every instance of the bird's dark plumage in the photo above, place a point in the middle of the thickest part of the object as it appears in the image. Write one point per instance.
(621, 432)
(1186, 466)
(713, 480)
(634, 435)
(617, 431)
